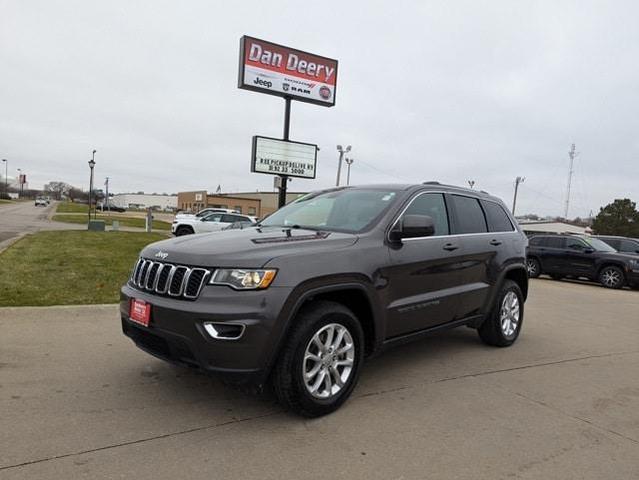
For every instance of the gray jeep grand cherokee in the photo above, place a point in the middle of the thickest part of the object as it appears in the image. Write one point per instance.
(302, 298)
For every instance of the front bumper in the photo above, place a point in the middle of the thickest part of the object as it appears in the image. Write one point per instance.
(176, 330)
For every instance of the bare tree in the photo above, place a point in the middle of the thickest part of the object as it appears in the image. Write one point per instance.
(57, 189)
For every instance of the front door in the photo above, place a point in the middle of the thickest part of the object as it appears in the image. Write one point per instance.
(578, 259)
(423, 276)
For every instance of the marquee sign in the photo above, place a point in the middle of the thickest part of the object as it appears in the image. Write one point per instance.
(282, 157)
(286, 72)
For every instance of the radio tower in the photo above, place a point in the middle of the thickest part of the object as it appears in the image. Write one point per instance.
(572, 154)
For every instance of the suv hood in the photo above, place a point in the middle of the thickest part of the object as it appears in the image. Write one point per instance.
(248, 248)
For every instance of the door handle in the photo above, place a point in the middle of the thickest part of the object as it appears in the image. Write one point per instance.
(495, 242)
(450, 247)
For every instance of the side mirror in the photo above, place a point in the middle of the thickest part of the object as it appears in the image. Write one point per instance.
(412, 226)
(589, 250)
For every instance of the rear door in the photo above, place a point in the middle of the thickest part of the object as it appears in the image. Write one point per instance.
(551, 254)
(423, 275)
(477, 252)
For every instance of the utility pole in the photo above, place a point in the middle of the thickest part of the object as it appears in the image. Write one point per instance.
(349, 162)
(106, 184)
(471, 183)
(339, 164)
(518, 180)
(6, 181)
(572, 154)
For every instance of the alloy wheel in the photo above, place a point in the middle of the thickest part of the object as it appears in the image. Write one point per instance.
(328, 361)
(509, 314)
(531, 266)
(610, 277)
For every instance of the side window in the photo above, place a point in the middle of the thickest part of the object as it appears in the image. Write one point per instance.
(535, 241)
(628, 246)
(498, 220)
(433, 205)
(614, 243)
(470, 217)
(231, 218)
(575, 244)
(554, 242)
(215, 217)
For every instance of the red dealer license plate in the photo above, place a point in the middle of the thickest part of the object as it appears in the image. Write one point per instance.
(140, 312)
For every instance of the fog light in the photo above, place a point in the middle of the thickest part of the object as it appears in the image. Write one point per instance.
(225, 331)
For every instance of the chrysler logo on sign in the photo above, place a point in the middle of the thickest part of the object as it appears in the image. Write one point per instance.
(161, 255)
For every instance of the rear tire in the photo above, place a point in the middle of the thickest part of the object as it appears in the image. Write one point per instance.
(311, 358)
(183, 231)
(533, 267)
(611, 277)
(502, 326)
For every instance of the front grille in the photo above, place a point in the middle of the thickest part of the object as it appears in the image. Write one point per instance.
(167, 279)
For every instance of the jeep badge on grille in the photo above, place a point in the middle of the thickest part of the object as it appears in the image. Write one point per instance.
(161, 255)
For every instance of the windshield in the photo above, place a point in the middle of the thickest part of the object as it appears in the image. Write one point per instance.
(346, 210)
(599, 245)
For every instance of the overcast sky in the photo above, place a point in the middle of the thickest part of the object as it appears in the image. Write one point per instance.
(446, 91)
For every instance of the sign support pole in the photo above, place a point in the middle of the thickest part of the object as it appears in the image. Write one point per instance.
(281, 200)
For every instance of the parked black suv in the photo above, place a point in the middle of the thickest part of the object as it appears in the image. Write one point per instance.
(581, 256)
(621, 244)
(302, 298)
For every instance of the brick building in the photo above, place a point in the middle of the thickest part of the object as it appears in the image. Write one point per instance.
(259, 204)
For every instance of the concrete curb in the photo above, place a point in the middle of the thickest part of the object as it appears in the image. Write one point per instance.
(7, 243)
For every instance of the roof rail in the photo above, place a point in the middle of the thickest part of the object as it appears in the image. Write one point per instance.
(432, 182)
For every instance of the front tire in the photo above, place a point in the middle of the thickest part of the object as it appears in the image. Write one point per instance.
(183, 231)
(502, 326)
(533, 267)
(611, 277)
(319, 365)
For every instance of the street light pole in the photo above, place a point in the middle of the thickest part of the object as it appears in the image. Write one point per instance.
(339, 164)
(6, 182)
(91, 165)
(349, 162)
(518, 180)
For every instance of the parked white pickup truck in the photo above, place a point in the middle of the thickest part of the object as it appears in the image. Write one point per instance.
(212, 222)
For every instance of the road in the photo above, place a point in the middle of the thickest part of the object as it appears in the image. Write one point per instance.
(24, 217)
(78, 400)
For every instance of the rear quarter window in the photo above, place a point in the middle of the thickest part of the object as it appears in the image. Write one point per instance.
(497, 218)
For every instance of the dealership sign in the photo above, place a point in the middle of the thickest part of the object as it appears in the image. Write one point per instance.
(270, 68)
(282, 157)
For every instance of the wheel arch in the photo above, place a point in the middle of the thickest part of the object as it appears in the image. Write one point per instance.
(354, 295)
(519, 275)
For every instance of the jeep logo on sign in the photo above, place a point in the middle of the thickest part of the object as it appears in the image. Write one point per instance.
(264, 83)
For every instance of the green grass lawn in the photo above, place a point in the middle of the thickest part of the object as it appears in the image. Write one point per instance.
(2, 200)
(124, 221)
(69, 267)
(70, 207)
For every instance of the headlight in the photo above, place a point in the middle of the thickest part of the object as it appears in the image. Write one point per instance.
(243, 279)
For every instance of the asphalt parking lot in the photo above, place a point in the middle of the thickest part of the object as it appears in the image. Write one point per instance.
(78, 400)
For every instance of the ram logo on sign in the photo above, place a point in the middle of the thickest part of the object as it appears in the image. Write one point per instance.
(270, 68)
(282, 157)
